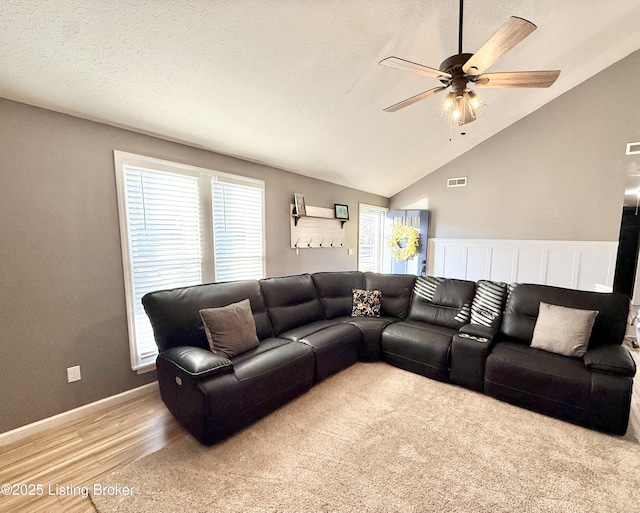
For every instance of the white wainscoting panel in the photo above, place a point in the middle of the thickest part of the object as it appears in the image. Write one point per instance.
(583, 265)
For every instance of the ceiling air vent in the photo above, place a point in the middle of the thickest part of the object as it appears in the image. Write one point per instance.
(633, 148)
(457, 182)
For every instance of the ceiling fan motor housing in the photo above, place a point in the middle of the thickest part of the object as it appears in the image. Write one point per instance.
(453, 66)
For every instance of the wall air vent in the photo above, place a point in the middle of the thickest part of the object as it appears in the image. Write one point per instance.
(457, 182)
(633, 148)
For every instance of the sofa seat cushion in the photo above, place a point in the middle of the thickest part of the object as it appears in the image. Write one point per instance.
(335, 347)
(538, 380)
(265, 345)
(371, 329)
(369, 323)
(269, 361)
(419, 347)
(305, 330)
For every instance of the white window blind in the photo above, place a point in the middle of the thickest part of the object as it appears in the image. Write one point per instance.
(164, 241)
(237, 231)
(182, 226)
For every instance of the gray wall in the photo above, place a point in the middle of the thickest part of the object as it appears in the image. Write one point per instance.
(558, 174)
(61, 281)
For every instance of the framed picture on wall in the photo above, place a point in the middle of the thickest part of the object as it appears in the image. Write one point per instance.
(342, 211)
(298, 203)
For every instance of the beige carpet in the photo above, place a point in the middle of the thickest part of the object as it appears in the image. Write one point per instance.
(378, 439)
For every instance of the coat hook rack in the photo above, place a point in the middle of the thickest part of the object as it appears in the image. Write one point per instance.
(317, 229)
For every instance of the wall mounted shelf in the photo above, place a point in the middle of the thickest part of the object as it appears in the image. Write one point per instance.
(296, 218)
(318, 229)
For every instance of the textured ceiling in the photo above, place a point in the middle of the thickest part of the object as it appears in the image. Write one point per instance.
(296, 84)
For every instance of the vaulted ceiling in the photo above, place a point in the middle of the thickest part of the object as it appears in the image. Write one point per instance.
(296, 84)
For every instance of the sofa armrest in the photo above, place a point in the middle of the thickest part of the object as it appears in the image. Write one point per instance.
(194, 363)
(478, 332)
(610, 359)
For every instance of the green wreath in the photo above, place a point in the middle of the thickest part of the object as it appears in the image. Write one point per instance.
(404, 241)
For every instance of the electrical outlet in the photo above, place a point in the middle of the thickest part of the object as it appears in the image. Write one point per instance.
(73, 374)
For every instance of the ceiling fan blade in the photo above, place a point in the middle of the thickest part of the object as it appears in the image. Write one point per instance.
(518, 79)
(397, 62)
(413, 99)
(506, 37)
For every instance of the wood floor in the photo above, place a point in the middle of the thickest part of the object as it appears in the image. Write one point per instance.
(73, 457)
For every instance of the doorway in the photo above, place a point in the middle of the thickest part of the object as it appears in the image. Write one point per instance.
(371, 221)
(625, 277)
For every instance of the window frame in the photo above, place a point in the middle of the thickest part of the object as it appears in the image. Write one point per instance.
(205, 177)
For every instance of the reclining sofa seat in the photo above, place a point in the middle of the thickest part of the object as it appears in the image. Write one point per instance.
(594, 390)
(210, 395)
(297, 315)
(422, 342)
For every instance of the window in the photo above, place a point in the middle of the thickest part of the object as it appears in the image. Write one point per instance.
(371, 237)
(180, 226)
(237, 231)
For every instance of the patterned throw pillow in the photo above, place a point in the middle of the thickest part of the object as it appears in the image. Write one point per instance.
(366, 303)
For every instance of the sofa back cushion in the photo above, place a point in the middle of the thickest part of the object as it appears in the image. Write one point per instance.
(396, 292)
(442, 301)
(336, 291)
(292, 301)
(175, 317)
(524, 301)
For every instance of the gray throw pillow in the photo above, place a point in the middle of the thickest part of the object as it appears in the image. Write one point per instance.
(230, 329)
(563, 330)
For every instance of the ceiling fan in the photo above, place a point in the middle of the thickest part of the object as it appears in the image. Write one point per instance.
(462, 105)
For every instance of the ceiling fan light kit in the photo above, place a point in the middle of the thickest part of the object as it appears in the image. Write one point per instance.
(460, 109)
(462, 105)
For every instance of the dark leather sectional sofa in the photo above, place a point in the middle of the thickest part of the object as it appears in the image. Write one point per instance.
(306, 332)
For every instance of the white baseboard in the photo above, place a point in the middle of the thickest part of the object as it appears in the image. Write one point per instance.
(67, 416)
